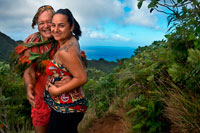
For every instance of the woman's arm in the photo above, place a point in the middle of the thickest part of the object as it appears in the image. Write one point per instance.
(70, 58)
(29, 81)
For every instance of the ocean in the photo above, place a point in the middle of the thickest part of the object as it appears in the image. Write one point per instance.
(108, 53)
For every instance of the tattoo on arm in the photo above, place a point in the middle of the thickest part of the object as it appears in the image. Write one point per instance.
(66, 47)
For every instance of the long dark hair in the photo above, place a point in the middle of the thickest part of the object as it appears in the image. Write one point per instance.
(72, 21)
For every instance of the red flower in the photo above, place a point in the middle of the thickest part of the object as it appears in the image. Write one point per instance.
(45, 62)
(83, 54)
(20, 49)
(1, 125)
(24, 59)
(120, 63)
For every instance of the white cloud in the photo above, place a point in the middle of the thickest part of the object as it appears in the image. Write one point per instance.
(96, 35)
(120, 38)
(94, 16)
(157, 27)
(93, 34)
(100, 35)
(140, 16)
(16, 16)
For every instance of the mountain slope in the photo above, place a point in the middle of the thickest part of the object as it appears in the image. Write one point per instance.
(7, 45)
(102, 65)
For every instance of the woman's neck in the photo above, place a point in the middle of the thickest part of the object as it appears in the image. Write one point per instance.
(62, 42)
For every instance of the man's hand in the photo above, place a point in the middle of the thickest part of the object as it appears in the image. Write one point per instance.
(63, 81)
(30, 95)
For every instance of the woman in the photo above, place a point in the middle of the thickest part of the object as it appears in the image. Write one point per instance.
(35, 84)
(68, 102)
(34, 79)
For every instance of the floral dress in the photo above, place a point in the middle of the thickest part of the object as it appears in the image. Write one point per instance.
(73, 101)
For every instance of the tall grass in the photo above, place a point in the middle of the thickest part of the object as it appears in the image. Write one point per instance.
(182, 111)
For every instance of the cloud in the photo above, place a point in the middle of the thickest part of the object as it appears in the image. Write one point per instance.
(87, 13)
(96, 35)
(100, 35)
(98, 18)
(16, 16)
(120, 38)
(140, 16)
(93, 34)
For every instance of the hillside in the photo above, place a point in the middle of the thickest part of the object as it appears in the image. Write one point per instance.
(102, 65)
(7, 45)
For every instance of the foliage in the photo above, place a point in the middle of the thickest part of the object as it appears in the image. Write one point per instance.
(19, 61)
(177, 69)
(14, 108)
(97, 86)
(182, 111)
(156, 72)
(102, 65)
(182, 14)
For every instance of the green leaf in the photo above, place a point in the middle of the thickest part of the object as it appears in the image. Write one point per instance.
(32, 53)
(34, 56)
(151, 10)
(179, 1)
(140, 4)
(150, 78)
(153, 4)
(137, 126)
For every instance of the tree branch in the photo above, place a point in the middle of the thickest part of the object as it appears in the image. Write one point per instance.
(162, 11)
(174, 5)
(166, 6)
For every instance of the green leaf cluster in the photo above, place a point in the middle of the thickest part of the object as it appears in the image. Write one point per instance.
(14, 107)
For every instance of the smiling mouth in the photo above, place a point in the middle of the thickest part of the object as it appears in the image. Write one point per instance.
(47, 31)
(56, 35)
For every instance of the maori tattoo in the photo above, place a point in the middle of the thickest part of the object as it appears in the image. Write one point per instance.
(66, 47)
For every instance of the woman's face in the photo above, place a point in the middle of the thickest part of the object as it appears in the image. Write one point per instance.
(44, 24)
(60, 28)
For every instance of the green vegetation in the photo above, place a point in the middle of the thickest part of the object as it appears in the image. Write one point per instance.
(159, 84)
(157, 87)
(14, 107)
(102, 65)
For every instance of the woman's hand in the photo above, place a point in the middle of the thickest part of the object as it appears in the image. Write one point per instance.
(30, 95)
(53, 90)
(64, 80)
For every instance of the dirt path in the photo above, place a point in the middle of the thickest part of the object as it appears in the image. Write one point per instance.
(110, 123)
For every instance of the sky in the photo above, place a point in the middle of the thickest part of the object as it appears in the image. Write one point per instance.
(103, 22)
